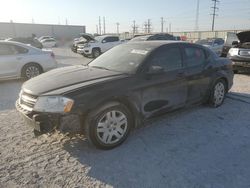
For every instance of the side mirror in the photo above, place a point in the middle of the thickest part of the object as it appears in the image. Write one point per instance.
(234, 43)
(155, 69)
(104, 41)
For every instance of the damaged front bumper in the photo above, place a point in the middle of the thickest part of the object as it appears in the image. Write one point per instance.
(48, 122)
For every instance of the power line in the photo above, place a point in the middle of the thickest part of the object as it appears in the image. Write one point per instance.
(214, 8)
(197, 16)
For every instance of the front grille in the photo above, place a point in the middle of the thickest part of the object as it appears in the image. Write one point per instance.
(244, 53)
(27, 101)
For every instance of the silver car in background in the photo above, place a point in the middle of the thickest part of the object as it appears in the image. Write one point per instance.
(18, 60)
(215, 44)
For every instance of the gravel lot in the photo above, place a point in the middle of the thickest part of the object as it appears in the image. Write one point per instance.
(198, 147)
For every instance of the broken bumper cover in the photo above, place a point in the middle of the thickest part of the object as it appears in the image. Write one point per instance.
(43, 123)
(47, 122)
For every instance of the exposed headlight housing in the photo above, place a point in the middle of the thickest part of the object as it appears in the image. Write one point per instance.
(233, 51)
(54, 104)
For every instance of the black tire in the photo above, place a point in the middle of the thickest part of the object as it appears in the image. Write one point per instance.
(96, 116)
(217, 97)
(31, 66)
(96, 52)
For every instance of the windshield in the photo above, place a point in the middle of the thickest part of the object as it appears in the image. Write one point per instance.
(123, 58)
(99, 38)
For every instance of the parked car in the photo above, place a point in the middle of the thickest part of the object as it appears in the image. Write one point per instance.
(19, 60)
(215, 44)
(229, 39)
(49, 43)
(163, 36)
(85, 38)
(98, 46)
(45, 37)
(29, 40)
(131, 82)
(240, 53)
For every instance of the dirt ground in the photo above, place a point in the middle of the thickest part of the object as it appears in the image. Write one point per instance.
(198, 147)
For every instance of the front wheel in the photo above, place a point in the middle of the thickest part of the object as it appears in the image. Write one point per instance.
(31, 70)
(109, 126)
(96, 53)
(218, 93)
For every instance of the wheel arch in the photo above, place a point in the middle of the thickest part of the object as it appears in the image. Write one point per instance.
(131, 106)
(30, 63)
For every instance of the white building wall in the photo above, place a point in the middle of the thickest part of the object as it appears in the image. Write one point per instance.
(26, 30)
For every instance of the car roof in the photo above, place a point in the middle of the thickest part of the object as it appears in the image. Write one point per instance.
(18, 43)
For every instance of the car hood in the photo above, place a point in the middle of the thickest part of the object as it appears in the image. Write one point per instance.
(68, 78)
(87, 37)
(244, 36)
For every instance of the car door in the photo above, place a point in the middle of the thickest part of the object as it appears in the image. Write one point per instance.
(106, 44)
(198, 72)
(166, 90)
(9, 60)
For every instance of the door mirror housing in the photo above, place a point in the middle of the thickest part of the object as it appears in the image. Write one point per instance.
(154, 69)
(104, 41)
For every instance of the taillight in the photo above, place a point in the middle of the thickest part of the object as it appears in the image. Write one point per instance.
(52, 55)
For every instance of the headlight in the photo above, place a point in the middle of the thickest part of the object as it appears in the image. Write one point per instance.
(233, 51)
(54, 104)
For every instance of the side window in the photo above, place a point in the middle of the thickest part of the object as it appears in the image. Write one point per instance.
(6, 50)
(20, 50)
(167, 58)
(107, 39)
(194, 56)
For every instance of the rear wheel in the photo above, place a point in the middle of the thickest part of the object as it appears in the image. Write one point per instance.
(109, 126)
(96, 53)
(218, 93)
(31, 70)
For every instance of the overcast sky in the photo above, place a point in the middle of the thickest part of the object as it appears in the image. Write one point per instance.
(232, 14)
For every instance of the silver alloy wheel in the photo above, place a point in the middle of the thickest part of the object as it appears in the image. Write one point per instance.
(112, 127)
(219, 93)
(32, 71)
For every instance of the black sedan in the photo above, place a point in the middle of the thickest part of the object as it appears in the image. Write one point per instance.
(126, 85)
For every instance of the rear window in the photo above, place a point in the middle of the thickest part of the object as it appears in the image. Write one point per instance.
(194, 56)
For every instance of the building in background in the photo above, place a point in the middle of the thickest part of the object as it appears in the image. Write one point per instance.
(27, 29)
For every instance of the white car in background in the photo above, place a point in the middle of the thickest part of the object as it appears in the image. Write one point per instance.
(98, 45)
(18, 60)
(44, 37)
(49, 43)
(215, 44)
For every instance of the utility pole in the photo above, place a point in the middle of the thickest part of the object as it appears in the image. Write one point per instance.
(169, 28)
(104, 26)
(117, 27)
(135, 28)
(162, 24)
(214, 8)
(196, 28)
(145, 27)
(97, 29)
(66, 21)
(149, 26)
(100, 26)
